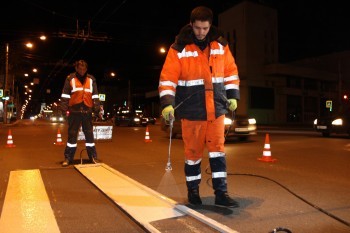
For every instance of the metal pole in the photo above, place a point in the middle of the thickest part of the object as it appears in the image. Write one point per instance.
(340, 97)
(17, 103)
(6, 80)
(129, 95)
(7, 65)
(171, 124)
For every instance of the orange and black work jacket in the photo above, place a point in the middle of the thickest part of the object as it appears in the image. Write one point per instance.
(198, 83)
(77, 96)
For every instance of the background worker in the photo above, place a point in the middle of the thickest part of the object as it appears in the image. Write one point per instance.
(200, 77)
(80, 97)
(101, 113)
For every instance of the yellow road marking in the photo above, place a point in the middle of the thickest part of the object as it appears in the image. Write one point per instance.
(27, 207)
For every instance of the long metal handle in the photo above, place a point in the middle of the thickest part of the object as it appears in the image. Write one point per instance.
(171, 123)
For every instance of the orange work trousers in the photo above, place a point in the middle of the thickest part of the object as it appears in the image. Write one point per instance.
(198, 134)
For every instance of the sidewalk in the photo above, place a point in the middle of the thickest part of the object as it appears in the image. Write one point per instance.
(287, 127)
(24, 122)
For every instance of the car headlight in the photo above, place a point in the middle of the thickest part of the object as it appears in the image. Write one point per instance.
(315, 122)
(227, 121)
(136, 119)
(53, 119)
(60, 119)
(338, 121)
(252, 121)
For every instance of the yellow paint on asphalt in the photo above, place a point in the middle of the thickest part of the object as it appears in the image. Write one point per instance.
(27, 207)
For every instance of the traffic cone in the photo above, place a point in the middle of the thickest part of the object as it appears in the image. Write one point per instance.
(9, 143)
(267, 152)
(59, 141)
(147, 137)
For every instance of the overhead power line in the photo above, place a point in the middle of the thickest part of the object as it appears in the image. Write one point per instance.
(84, 33)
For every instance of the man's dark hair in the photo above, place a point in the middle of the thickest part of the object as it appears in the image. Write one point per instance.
(202, 13)
(81, 62)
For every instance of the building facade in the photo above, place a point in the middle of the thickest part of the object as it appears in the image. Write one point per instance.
(275, 93)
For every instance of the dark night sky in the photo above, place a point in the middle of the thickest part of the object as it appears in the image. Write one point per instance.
(138, 28)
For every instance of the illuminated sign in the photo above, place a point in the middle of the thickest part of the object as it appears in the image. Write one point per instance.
(102, 97)
(329, 105)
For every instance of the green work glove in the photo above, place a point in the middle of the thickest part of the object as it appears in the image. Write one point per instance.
(232, 104)
(168, 112)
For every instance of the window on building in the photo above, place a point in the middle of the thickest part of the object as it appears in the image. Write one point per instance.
(328, 86)
(262, 97)
(294, 108)
(293, 82)
(310, 84)
(310, 108)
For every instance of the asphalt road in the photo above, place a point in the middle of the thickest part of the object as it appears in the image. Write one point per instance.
(305, 190)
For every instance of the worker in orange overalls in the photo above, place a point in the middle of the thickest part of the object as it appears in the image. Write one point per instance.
(80, 97)
(200, 78)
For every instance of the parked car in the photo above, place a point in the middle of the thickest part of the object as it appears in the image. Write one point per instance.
(151, 120)
(242, 127)
(129, 119)
(336, 124)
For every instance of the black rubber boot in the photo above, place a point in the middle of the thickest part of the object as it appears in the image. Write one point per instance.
(193, 197)
(66, 163)
(223, 199)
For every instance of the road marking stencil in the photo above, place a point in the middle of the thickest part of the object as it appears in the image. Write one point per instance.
(142, 203)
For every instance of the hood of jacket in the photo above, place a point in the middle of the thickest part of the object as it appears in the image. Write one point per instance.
(186, 37)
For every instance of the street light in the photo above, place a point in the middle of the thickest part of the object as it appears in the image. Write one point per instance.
(7, 98)
(162, 50)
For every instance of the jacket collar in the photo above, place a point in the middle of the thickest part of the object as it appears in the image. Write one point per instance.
(185, 35)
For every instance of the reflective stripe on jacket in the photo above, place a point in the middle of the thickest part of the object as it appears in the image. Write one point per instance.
(81, 92)
(197, 84)
(75, 93)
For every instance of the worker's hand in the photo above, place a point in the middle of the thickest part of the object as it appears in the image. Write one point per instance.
(168, 112)
(232, 104)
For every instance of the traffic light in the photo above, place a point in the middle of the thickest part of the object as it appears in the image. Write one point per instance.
(345, 97)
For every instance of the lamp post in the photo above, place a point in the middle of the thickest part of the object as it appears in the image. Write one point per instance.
(8, 84)
(6, 80)
(7, 65)
(129, 94)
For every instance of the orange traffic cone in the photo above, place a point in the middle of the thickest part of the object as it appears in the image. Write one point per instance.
(147, 137)
(59, 141)
(10, 140)
(267, 152)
